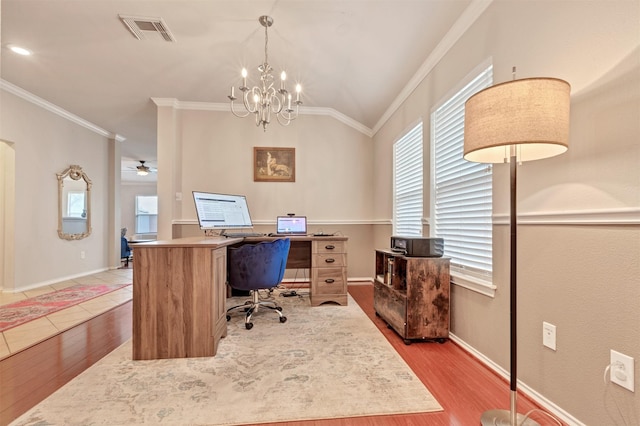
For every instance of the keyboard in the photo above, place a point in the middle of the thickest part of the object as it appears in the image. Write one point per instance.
(242, 234)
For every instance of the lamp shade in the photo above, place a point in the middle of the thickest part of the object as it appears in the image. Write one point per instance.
(531, 113)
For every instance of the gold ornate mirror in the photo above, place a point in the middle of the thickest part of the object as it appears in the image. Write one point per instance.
(74, 204)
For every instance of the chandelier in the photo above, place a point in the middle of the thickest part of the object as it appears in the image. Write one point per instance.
(264, 100)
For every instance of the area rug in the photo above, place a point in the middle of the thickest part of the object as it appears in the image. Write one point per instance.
(17, 313)
(323, 362)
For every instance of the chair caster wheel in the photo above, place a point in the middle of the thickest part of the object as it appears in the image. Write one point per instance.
(248, 325)
(279, 308)
(283, 319)
(228, 317)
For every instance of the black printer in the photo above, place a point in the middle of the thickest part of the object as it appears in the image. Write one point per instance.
(418, 246)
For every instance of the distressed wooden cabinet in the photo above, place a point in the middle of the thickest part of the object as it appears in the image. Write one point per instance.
(412, 295)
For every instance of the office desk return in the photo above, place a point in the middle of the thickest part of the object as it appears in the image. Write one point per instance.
(326, 258)
(179, 290)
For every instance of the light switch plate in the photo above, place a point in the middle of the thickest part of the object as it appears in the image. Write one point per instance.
(549, 335)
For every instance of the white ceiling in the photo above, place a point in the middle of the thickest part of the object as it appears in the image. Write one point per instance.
(354, 56)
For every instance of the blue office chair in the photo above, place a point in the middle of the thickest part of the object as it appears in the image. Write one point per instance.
(255, 267)
(125, 251)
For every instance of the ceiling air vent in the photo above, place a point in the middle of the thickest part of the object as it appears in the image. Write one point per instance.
(145, 28)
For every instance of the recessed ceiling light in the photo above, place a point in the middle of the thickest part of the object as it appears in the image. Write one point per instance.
(20, 50)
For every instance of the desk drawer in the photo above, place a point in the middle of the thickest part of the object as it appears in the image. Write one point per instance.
(329, 246)
(329, 281)
(331, 260)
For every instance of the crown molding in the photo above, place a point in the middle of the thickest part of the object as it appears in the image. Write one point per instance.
(38, 101)
(458, 29)
(224, 107)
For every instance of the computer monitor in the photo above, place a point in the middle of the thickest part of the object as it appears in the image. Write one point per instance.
(222, 211)
(291, 225)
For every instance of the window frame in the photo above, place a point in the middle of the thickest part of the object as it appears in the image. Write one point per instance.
(75, 198)
(150, 216)
(463, 273)
(412, 177)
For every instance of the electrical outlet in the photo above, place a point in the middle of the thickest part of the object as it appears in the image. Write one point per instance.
(549, 335)
(82, 254)
(622, 370)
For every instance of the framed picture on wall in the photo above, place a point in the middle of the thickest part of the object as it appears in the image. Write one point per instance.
(274, 164)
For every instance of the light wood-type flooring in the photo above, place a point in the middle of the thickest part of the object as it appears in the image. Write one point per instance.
(17, 338)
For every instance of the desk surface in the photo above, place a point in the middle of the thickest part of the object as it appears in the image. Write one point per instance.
(212, 242)
(139, 241)
(218, 241)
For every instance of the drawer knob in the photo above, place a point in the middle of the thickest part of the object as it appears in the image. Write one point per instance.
(329, 281)
(330, 260)
(329, 246)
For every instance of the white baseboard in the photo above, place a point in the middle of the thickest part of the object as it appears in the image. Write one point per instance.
(551, 407)
(55, 280)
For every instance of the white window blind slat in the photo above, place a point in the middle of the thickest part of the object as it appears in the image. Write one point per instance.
(462, 190)
(408, 183)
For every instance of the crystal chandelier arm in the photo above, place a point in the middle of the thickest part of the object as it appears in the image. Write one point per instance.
(273, 101)
(288, 115)
(249, 99)
(238, 115)
(284, 120)
(233, 98)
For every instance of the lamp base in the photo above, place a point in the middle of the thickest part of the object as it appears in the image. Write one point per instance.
(503, 418)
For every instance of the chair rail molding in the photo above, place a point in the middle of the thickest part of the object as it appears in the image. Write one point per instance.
(613, 216)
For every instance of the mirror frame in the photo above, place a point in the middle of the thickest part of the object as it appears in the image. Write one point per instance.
(75, 172)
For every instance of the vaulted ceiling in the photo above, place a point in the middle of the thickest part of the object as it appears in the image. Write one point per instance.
(353, 56)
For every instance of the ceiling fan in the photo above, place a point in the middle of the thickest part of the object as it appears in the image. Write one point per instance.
(142, 169)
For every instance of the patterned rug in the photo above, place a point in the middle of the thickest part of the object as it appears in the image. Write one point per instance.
(17, 313)
(324, 362)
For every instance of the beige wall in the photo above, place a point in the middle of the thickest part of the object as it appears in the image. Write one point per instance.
(579, 238)
(45, 144)
(333, 174)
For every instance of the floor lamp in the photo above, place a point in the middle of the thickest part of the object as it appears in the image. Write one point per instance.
(520, 120)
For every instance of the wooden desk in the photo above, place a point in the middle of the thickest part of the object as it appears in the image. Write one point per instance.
(179, 290)
(179, 296)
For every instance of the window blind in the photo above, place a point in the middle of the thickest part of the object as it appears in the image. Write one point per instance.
(463, 193)
(408, 182)
(146, 214)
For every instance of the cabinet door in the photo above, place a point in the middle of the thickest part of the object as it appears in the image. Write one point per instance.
(219, 293)
(428, 298)
(391, 305)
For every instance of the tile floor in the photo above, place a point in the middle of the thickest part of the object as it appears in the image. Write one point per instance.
(32, 332)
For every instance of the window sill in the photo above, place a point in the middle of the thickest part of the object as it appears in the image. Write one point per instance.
(483, 287)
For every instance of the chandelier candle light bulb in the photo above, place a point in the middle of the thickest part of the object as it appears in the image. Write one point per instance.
(265, 99)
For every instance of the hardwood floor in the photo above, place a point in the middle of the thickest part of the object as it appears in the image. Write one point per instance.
(29, 376)
(463, 386)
